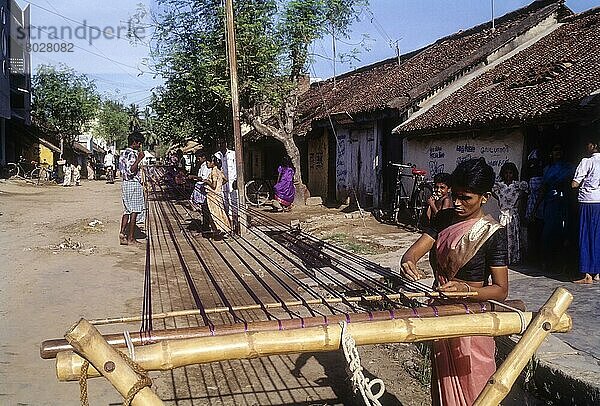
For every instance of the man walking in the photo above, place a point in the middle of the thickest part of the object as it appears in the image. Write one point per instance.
(132, 190)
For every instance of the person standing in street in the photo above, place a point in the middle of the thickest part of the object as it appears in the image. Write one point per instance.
(90, 168)
(132, 191)
(201, 172)
(510, 191)
(76, 175)
(554, 197)
(109, 167)
(587, 179)
(219, 220)
(230, 194)
(66, 174)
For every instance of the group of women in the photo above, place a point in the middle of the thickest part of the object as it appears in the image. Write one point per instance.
(470, 251)
(208, 191)
(550, 213)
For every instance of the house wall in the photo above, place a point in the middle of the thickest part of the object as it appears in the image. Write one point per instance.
(318, 173)
(356, 164)
(46, 154)
(443, 153)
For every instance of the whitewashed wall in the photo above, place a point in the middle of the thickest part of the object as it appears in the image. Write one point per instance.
(356, 163)
(442, 154)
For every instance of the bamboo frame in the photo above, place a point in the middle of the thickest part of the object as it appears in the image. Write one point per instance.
(168, 355)
(278, 305)
(49, 348)
(502, 381)
(89, 343)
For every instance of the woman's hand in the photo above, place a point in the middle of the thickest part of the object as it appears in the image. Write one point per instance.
(409, 270)
(455, 286)
(408, 263)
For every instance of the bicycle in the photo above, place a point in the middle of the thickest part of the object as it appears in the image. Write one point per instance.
(42, 173)
(22, 169)
(257, 192)
(413, 205)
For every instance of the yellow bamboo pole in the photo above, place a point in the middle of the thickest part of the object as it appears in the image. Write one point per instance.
(167, 355)
(548, 317)
(49, 348)
(88, 342)
(276, 305)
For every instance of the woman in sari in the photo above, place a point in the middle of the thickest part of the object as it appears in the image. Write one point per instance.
(219, 221)
(468, 251)
(284, 189)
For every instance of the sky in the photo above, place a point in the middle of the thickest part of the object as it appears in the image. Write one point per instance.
(90, 36)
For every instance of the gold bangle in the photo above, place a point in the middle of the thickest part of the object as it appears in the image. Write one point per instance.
(468, 287)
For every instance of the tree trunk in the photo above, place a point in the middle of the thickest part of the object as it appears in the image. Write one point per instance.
(302, 192)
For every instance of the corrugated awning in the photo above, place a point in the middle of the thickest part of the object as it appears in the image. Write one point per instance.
(80, 148)
(49, 145)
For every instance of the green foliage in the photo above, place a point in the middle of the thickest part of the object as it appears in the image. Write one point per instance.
(64, 102)
(113, 123)
(272, 38)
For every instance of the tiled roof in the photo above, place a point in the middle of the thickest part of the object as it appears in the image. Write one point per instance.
(387, 84)
(553, 80)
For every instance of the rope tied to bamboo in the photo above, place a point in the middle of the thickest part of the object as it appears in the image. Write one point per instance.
(143, 382)
(359, 382)
(519, 312)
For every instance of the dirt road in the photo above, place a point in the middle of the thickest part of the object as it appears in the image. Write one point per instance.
(61, 261)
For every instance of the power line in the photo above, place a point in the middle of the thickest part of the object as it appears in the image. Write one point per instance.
(57, 13)
(90, 52)
(102, 55)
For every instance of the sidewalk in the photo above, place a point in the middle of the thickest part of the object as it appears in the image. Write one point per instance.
(567, 365)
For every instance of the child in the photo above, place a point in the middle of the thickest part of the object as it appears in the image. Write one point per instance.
(441, 195)
(509, 191)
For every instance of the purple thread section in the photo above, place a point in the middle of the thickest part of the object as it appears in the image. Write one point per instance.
(392, 315)
(370, 316)
(466, 308)
(436, 313)
(280, 326)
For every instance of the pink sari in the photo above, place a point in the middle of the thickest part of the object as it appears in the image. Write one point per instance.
(461, 366)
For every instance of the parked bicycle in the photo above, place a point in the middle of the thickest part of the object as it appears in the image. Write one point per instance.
(29, 170)
(42, 173)
(17, 169)
(408, 207)
(258, 192)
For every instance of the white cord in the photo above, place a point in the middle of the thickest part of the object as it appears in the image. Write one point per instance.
(519, 312)
(359, 382)
(130, 346)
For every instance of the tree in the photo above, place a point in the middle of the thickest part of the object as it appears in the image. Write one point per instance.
(64, 102)
(113, 123)
(273, 40)
(135, 121)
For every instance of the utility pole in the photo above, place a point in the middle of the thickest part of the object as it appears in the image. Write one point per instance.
(235, 107)
(493, 17)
